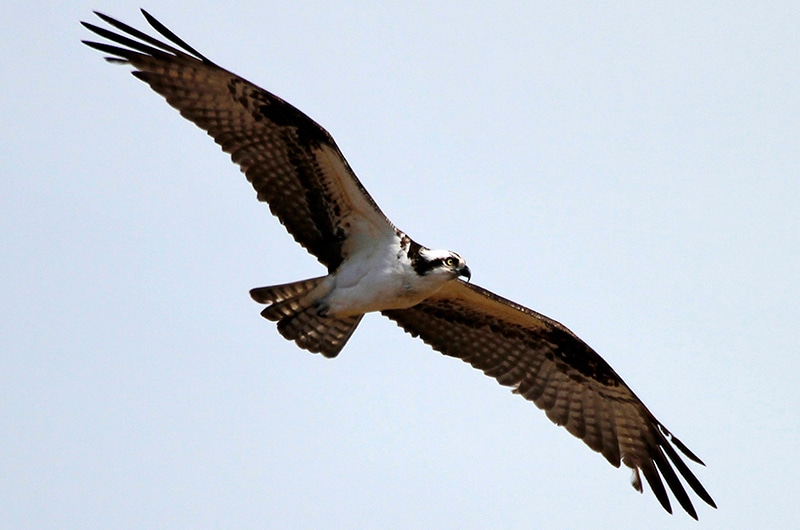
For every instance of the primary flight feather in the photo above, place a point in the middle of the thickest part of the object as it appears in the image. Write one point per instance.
(297, 169)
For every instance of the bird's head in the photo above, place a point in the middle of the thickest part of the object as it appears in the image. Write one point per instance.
(432, 262)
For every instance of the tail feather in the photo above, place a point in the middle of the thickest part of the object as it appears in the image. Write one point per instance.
(285, 291)
(318, 334)
(298, 319)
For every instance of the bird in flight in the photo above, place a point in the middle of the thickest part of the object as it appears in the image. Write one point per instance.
(372, 266)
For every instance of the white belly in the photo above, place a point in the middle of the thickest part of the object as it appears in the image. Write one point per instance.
(374, 280)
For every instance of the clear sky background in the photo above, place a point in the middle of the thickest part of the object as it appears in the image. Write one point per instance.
(631, 171)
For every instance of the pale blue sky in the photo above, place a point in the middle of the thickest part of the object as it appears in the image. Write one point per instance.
(631, 171)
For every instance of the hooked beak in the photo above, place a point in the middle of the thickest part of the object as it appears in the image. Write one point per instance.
(465, 272)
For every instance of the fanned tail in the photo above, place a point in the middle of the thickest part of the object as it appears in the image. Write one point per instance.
(298, 319)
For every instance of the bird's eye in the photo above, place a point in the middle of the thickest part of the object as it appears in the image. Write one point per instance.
(451, 261)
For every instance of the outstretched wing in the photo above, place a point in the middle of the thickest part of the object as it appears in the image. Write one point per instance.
(547, 364)
(292, 162)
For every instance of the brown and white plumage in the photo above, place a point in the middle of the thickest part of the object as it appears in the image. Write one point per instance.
(297, 169)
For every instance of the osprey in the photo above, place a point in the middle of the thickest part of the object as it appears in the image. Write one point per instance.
(297, 169)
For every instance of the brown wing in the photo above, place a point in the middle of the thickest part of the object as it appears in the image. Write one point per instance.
(292, 162)
(547, 364)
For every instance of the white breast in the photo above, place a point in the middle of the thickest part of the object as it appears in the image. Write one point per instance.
(378, 276)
